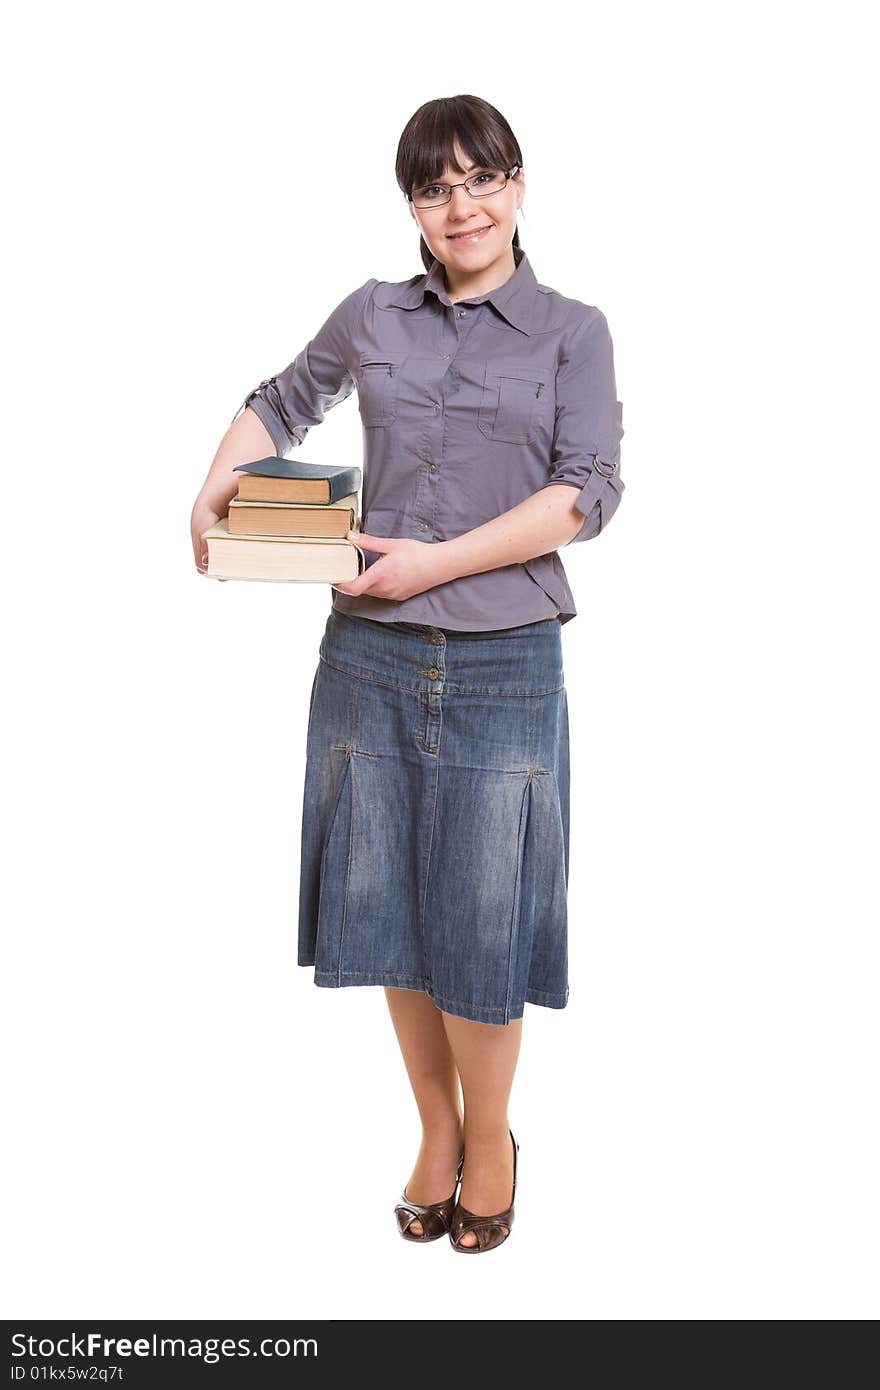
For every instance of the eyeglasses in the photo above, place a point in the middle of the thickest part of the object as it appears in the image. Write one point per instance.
(434, 195)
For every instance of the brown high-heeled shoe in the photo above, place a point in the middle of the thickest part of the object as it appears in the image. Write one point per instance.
(435, 1217)
(490, 1231)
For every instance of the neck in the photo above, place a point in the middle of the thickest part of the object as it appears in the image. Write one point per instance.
(461, 285)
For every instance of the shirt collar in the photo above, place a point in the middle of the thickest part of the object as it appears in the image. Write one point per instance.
(514, 299)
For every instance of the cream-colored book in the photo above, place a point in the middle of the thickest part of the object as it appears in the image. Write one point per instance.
(281, 559)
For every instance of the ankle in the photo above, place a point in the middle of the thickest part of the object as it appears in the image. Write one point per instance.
(486, 1137)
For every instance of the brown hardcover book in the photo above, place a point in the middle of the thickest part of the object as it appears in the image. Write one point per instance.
(287, 519)
(257, 487)
(281, 559)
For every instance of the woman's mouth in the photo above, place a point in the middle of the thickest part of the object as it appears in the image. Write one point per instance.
(466, 238)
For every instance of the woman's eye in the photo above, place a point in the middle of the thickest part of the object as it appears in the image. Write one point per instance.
(432, 191)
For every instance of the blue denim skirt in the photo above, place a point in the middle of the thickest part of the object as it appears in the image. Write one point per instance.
(435, 820)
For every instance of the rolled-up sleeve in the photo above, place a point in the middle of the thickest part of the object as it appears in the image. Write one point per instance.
(589, 425)
(318, 378)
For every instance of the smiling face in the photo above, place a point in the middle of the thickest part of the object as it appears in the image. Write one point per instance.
(471, 235)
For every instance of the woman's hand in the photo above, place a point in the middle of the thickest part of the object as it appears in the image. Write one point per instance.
(406, 567)
(203, 516)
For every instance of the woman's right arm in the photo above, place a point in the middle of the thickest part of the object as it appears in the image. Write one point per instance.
(290, 403)
(246, 440)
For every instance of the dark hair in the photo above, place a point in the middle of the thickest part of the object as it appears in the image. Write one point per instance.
(428, 141)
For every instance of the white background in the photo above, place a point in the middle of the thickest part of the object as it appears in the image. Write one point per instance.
(196, 1130)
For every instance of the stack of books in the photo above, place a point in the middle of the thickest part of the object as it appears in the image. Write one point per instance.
(287, 524)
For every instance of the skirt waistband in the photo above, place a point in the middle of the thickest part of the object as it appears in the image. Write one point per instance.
(525, 660)
(460, 633)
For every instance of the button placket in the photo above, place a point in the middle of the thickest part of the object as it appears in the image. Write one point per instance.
(432, 699)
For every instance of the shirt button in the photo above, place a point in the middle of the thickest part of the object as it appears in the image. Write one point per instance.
(423, 525)
(447, 356)
(461, 313)
(432, 468)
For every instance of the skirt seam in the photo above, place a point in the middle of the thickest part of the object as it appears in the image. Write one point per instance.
(425, 956)
(513, 941)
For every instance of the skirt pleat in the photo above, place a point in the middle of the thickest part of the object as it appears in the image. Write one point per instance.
(434, 852)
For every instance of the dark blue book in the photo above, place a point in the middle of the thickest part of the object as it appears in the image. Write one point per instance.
(294, 480)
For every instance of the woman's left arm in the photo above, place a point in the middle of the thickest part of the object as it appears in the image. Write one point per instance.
(542, 522)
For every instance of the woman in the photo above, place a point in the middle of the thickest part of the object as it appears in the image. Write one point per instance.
(435, 855)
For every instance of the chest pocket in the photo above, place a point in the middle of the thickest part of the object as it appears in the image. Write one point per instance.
(513, 402)
(378, 384)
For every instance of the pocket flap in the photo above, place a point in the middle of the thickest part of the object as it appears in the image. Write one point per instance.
(381, 358)
(519, 371)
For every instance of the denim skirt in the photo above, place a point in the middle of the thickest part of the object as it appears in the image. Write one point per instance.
(435, 821)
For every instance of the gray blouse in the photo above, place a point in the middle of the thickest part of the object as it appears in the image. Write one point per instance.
(467, 409)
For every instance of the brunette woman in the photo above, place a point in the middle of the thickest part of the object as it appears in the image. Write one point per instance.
(435, 829)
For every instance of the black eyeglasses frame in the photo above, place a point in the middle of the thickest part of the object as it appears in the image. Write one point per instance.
(440, 203)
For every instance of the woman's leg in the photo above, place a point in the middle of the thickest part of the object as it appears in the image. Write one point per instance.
(433, 1076)
(486, 1055)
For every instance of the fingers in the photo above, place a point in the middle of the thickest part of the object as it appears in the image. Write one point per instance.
(368, 542)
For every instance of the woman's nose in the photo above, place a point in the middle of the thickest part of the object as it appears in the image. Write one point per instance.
(461, 201)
